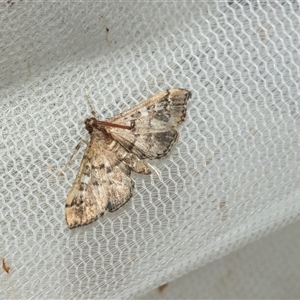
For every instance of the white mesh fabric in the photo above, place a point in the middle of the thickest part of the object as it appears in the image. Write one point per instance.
(232, 178)
(265, 269)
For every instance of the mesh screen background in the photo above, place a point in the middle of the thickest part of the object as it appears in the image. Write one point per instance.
(233, 176)
(265, 269)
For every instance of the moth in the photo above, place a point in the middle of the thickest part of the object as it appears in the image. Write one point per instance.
(117, 147)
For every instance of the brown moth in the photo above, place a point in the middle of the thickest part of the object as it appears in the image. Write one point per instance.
(117, 147)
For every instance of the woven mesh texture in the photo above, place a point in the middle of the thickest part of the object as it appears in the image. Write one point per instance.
(265, 269)
(233, 176)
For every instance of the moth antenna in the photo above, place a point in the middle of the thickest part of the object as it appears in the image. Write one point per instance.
(88, 99)
(59, 172)
(156, 171)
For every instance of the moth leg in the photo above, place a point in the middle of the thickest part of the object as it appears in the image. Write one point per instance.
(155, 170)
(71, 157)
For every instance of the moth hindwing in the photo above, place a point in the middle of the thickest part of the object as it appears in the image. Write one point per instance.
(117, 147)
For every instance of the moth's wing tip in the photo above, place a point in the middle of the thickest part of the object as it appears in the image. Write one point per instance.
(188, 94)
(75, 223)
(80, 216)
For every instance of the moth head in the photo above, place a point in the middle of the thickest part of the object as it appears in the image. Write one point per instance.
(89, 124)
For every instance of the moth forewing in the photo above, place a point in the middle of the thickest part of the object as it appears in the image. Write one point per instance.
(117, 147)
